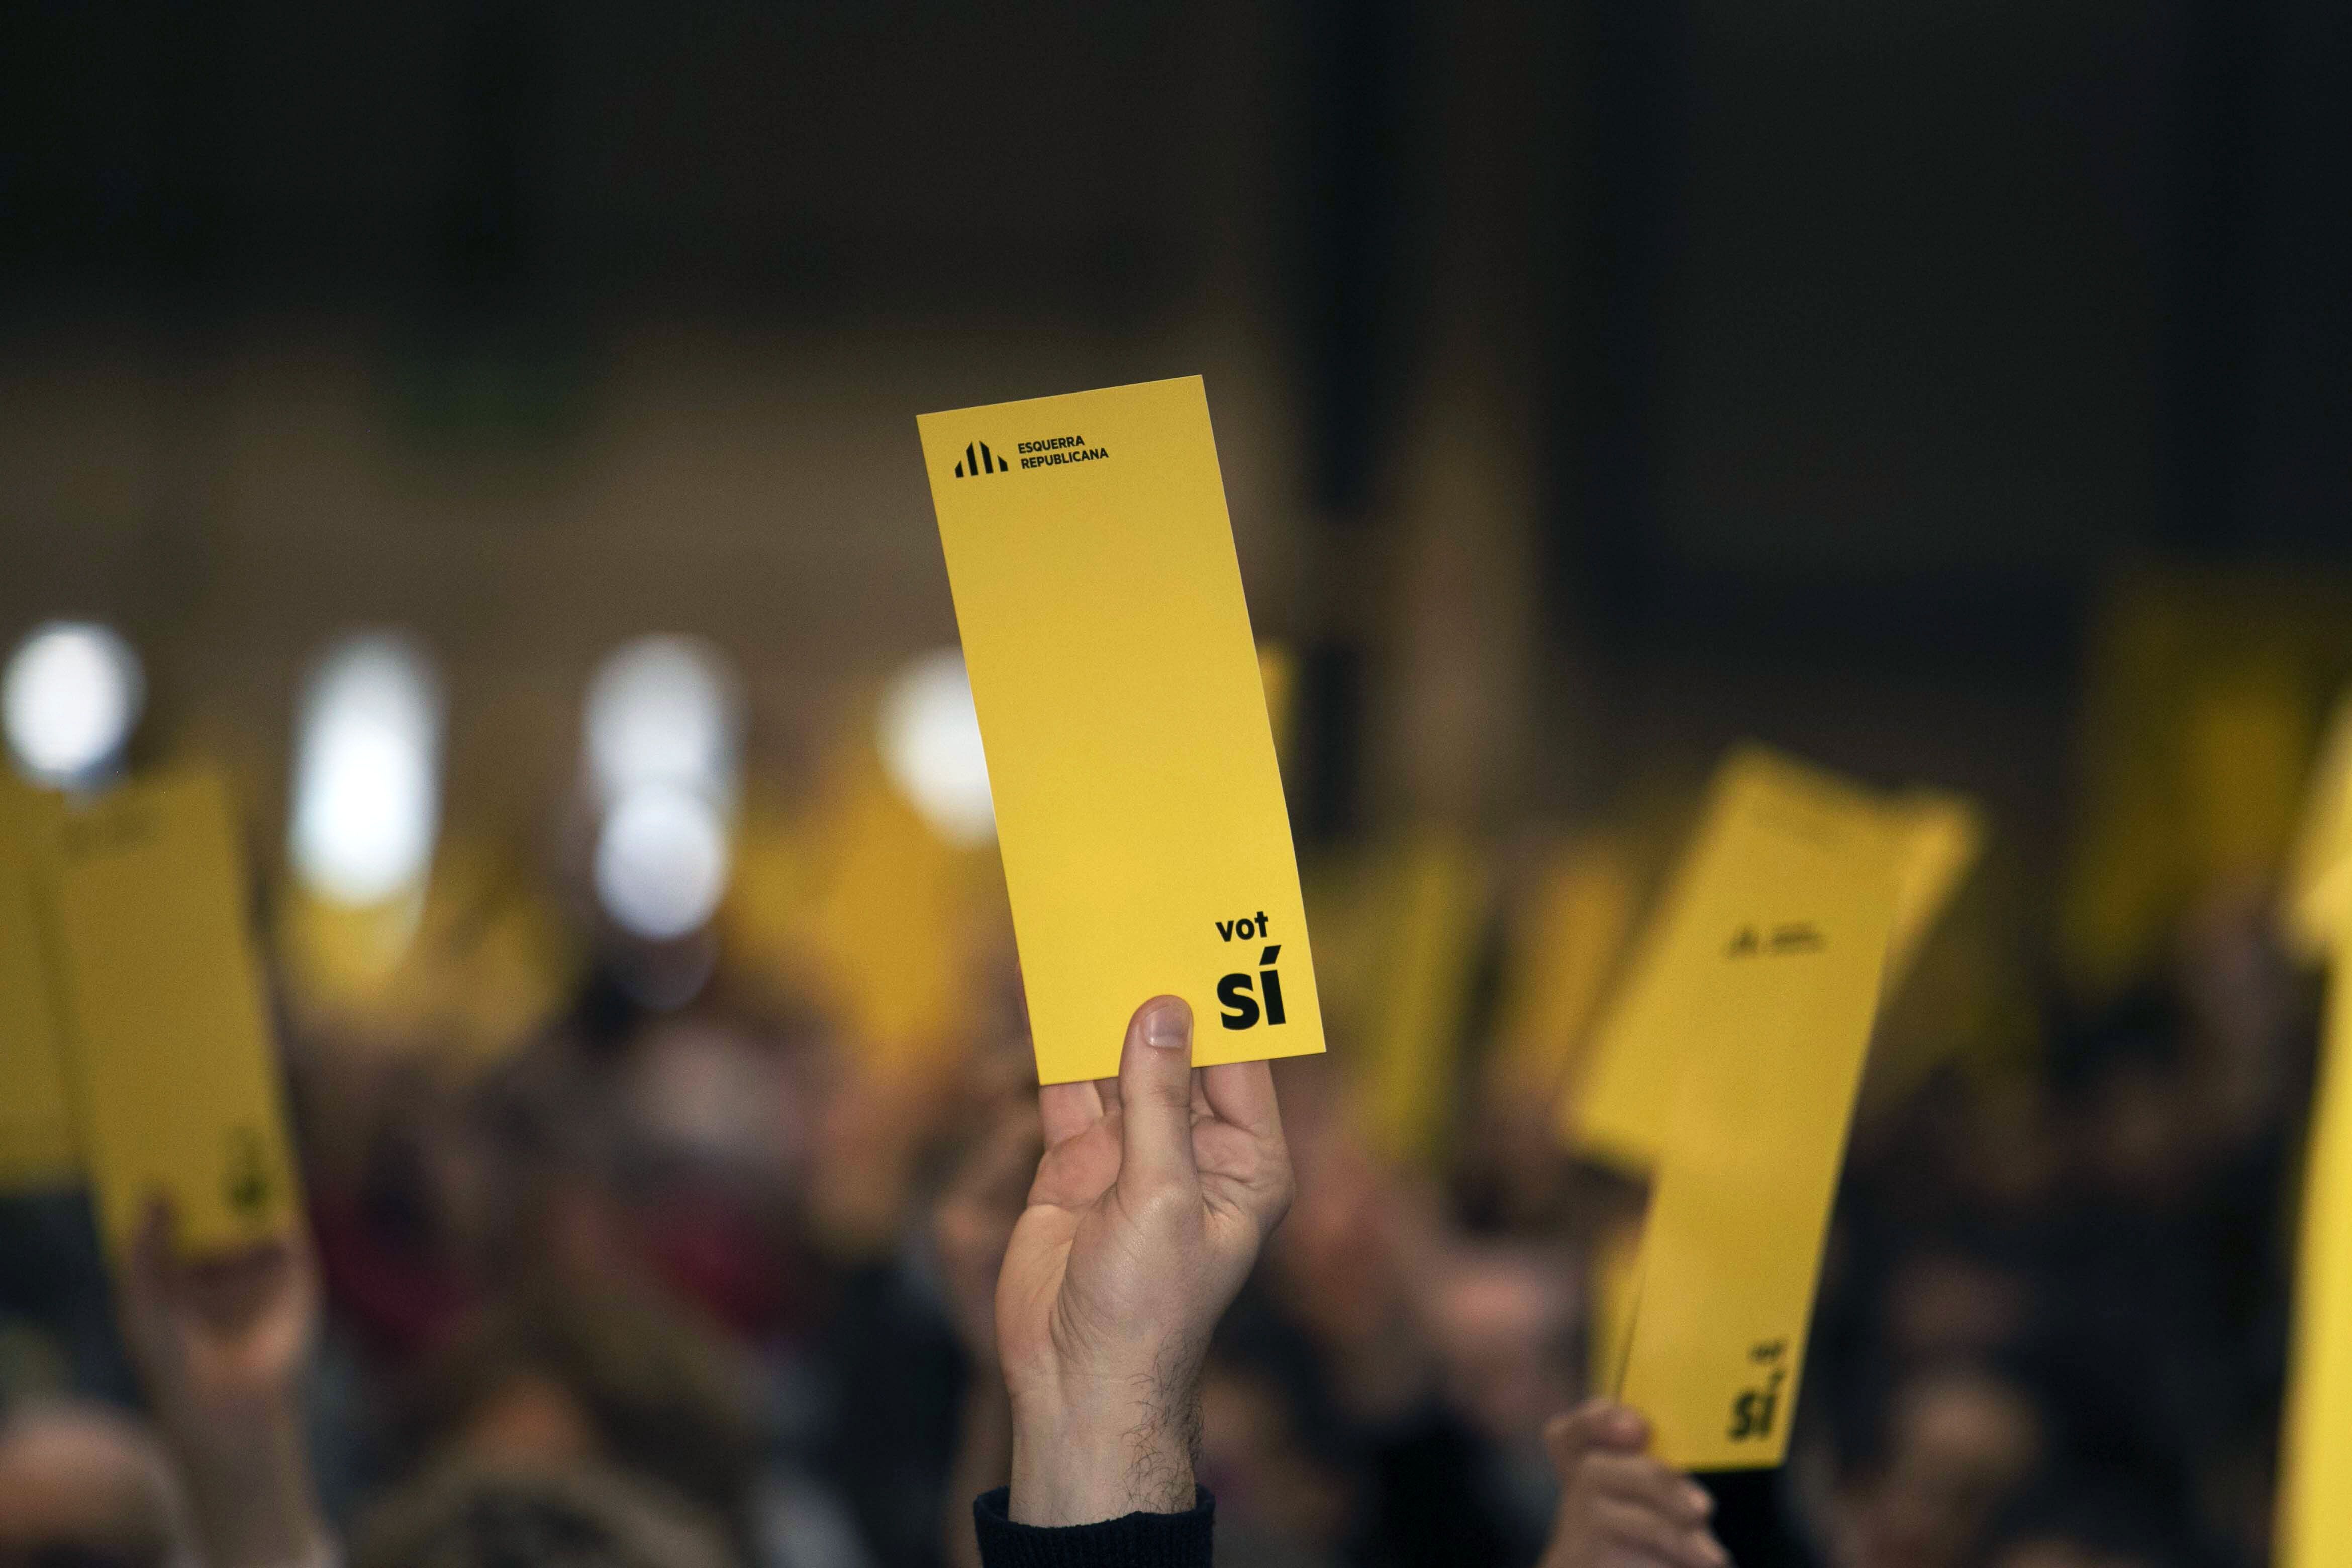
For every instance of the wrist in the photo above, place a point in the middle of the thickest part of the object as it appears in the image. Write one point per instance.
(252, 1497)
(1104, 1459)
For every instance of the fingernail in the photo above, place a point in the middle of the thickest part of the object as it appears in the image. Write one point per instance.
(1701, 1501)
(1169, 1025)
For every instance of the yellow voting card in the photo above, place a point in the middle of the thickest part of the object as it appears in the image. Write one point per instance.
(1432, 897)
(2318, 889)
(2315, 1506)
(36, 1135)
(1564, 945)
(2315, 1510)
(172, 1064)
(1138, 808)
(1942, 837)
(1775, 966)
(1619, 1112)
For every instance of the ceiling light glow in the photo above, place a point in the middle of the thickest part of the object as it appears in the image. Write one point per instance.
(68, 701)
(930, 738)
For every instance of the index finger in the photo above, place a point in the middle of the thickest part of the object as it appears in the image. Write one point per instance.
(1242, 1093)
(1067, 1110)
(154, 1260)
(1597, 1424)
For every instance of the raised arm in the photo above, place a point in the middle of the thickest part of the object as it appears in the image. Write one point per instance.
(221, 1344)
(1156, 1192)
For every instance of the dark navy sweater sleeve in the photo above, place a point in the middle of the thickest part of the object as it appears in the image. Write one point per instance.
(1133, 1541)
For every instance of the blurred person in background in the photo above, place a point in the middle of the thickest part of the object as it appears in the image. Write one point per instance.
(1942, 1450)
(82, 1484)
(1506, 1324)
(2089, 1523)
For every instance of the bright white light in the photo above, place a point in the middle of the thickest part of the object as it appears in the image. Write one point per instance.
(367, 772)
(661, 861)
(666, 711)
(930, 746)
(70, 696)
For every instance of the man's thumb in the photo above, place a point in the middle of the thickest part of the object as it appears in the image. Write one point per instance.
(1155, 1093)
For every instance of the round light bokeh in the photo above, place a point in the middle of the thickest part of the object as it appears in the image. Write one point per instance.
(665, 710)
(930, 738)
(70, 700)
(367, 772)
(661, 861)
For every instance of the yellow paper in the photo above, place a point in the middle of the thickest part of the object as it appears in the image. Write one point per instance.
(1614, 1294)
(893, 922)
(2319, 893)
(1565, 945)
(463, 969)
(36, 1137)
(174, 1068)
(1942, 834)
(1278, 672)
(1138, 807)
(1618, 1113)
(1772, 969)
(1431, 907)
(2314, 1517)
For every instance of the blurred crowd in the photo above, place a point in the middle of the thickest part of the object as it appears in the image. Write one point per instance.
(699, 1270)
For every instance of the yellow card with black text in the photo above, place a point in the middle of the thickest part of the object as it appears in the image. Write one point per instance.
(172, 1064)
(36, 1134)
(1619, 1110)
(1138, 807)
(1776, 963)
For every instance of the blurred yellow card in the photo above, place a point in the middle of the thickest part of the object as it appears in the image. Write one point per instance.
(1431, 903)
(1138, 808)
(1566, 941)
(1618, 1113)
(36, 1135)
(1942, 835)
(1771, 972)
(173, 1062)
(2314, 1508)
(2319, 891)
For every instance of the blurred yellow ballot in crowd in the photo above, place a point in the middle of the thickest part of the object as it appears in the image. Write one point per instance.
(1729, 1069)
(167, 1029)
(2315, 1512)
(1619, 1109)
(2318, 893)
(1942, 837)
(36, 1136)
(1138, 807)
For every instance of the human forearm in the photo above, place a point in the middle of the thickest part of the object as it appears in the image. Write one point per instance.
(221, 1342)
(249, 1487)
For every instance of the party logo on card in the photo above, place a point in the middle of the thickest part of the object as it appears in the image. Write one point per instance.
(978, 460)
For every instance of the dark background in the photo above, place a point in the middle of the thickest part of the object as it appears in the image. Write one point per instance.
(1845, 345)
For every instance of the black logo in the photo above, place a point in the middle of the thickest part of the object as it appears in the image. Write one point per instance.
(1798, 936)
(978, 459)
(1753, 1410)
(1237, 992)
(248, 1185)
